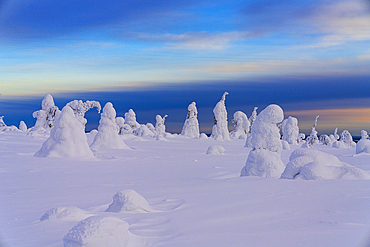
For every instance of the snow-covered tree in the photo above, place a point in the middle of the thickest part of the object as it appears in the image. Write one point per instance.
(144, 131)
(334, 137)
(80, 108)
(160, 127)
(22, 126)
(120, 121)
(325, 140)
(2, 123)
(346, 137)
(191, 125)
(252, 118)
(363, 145)
(107, 136)
(67, 138)
(220, 130)
(242, 126)
(130, 119)
(290, 130)
(264, 158)
(312, 138)
(46, 116)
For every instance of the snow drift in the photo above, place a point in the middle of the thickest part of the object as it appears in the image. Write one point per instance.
(130, 201)
(65, 214)
(311, 164)
(215, 149)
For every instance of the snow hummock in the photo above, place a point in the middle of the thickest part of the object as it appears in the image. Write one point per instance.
(363, 145)
(311, 164)
(107, 137)
(65, 214)
(220, 130)
(191, 125)
(144, 131)
(242, 126)
(67, 138)
(216, 149)
(98, 231)
(264, 158)
(129, 201)
(285, 145)
(290, 130)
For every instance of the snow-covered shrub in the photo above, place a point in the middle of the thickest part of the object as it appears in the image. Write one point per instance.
(107, 137)
(285, 145)
(290, 130)
(129, 200)
(215, 149)
(46, 116)
(22, 126)
(220, 130)
(301, 137)
(191, 125)
(98, 231)
(264, 158)
(120, 121)
(248, 139)
(65, 214)
(253, 116)
(325, 140)
(311, 164)
(160, 128)
(130, 119)
(312, 138)
(144, 131)
(363, 145)
(67, 138)
(346, 137)
(151, 127)
(242, 126)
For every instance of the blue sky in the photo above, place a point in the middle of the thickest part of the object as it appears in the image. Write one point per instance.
(63, 46)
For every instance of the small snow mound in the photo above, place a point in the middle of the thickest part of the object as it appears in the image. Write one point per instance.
(129, 200)
(203, 136)
(339, 144)
(97, 232)
(311, 164)
(285, 145)
(216, 149)
(65, 214)
(363, 146)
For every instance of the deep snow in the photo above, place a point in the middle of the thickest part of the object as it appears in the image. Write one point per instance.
(197, 199)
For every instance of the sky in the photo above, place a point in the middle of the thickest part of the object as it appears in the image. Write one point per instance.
(310, 57)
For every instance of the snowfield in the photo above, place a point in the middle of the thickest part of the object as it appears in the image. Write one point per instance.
(194, 199)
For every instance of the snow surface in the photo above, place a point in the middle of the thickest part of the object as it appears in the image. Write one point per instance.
(200, 200)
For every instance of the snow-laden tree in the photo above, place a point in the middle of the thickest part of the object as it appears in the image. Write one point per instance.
(191, 125)
(312, 138)
(46, 116)
(242, 126)
(107, 136)
(334, 137)
(160, 127)
(22, 126)
(325, 140)
(363, 145)
(252, 118)
(80, 108)
(120, 121)
(264, 158)
(220, 130)
(2, 123)
(144, 131)
(345, 140)
(290, 130)
(130, 119)
(67, 138)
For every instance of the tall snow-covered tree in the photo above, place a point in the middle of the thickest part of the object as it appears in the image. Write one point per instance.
(191, 125)
(220, 129)
(312, 138)
(290, 130)
(80, 108)
(46, 116)
(242, 125)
